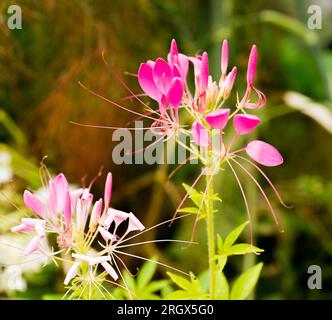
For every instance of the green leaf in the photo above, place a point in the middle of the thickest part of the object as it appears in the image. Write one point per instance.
(146, 273)
(220, 243)
(157, 285)
(222, 259)
(182, 282)
(194, 195)
(246, 282)
(222, 287)
(233, 235)
(193, 210)
(242, 248)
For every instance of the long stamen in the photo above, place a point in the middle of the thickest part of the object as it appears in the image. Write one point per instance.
(245, 201)
(262, 192)
(155, 241)
(146, 259)
(153, 227)
(267, 179)
(114, 103)
(110, 127)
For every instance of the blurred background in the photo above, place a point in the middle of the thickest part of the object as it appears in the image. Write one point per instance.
(61, 42)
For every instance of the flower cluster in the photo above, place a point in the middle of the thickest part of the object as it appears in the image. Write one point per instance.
(74, 221)
(166, 83)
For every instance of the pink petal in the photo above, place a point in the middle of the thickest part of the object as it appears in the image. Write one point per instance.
(183, 65)
(52, 200)
(110, 270)
(218, 119)
(106, 234)
(32, 246)
(245, 123)
(252, 63)
(82, 257)
(40, 230)
(99, 260)
(31, 222)
(162, 75)
(200, 134)
(33, 203)
(21, 228)
(146, 81)
(74, 196)
(175, 93)
(224, 57)
(72, 272)
(67, 211)
(134, 224)
(229, 82)
(264, 153)
(108, 190)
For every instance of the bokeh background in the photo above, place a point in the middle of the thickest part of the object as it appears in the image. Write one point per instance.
(61, 42)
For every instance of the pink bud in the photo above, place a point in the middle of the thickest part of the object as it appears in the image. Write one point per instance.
(245, 123)
(110, 270)
(229, 82)
(224, 58)
(108, 190)
(264, 153)
(218, 119)
(204, 72)
(174, 48)
(32, 246)
(200, 134)
(61, 191)
(134, 224)
(95, 214)
(33, 203)
(252, 63)
(72, 272)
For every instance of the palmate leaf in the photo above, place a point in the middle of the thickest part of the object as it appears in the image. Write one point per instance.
(246, 282)
(146, 273)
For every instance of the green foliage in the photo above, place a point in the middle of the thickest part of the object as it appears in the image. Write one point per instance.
(200, 201)
(246, 282)
(227, 247)
(142, 286)
(190, 289)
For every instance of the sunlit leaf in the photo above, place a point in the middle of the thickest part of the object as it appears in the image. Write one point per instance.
(246, 282)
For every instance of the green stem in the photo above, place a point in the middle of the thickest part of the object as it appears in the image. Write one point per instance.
(210, 237)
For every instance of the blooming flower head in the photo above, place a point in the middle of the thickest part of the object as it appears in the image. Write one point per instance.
(210, 117)
(89, 235)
